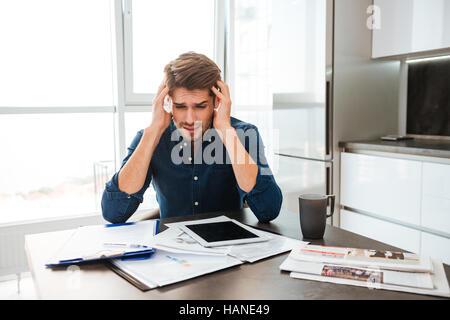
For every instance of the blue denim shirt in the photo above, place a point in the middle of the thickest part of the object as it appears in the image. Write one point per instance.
(184, 186)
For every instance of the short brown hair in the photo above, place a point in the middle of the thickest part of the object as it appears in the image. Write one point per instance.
(191, 71)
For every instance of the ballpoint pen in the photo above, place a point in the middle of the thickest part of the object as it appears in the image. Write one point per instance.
(125, 245)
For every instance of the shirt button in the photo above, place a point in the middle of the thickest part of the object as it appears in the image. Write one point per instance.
(181, 147)
(195, 178)
(196, 203)
(190, 158)
(185, 144)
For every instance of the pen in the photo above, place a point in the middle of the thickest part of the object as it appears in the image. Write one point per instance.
(124, 245)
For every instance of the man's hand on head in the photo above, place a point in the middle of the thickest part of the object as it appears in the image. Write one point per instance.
(222, 113)
(160, 117)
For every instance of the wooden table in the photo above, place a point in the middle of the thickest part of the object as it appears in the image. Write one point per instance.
(257, 281)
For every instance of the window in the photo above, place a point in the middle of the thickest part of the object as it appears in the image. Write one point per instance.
(159, 31)
(56, 107)
(67, 111)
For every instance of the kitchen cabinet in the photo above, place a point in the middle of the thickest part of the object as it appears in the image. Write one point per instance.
(390, 233)
(435, 246)
(436, 197)
(401, 201)
(385, 186)
(408, 26)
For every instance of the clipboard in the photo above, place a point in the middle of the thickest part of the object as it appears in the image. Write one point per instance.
(88, 243)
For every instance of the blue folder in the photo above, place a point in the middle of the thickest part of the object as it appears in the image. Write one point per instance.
(138, 254)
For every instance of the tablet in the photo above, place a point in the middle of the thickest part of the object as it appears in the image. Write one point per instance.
(222, 233)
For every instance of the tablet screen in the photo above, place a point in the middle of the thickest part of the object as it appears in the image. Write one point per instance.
(220, 231)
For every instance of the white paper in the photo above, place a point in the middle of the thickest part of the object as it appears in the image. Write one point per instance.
(209, 220)
(87, 242)
(256, 251)
(173, 239)
(439, 279)
(165, 267)
(408, 279)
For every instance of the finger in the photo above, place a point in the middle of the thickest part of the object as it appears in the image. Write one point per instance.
(223, 87)
(164, 92)
(159, 99)
(161, 86)
(217, 92)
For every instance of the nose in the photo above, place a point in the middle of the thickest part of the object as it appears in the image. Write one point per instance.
(190, 117)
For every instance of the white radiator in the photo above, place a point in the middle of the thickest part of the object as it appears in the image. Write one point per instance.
(12, 239)
(12, 253)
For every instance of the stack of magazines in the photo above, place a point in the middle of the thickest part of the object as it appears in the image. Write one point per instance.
(389, 270)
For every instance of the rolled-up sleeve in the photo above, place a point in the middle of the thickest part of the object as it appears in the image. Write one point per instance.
(265, 198)
(118, 206)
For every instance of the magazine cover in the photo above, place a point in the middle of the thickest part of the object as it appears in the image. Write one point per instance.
(393, 260)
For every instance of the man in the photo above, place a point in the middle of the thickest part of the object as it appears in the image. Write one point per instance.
(195, 154)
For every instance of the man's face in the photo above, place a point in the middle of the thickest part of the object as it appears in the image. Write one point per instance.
(192, 112)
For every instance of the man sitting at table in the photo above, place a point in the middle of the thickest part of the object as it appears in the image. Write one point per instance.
(197, 157)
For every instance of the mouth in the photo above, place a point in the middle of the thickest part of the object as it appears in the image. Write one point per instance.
(191, 130)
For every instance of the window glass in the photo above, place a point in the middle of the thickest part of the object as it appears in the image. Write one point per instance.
(251, 54)
(251, 82)
(54, 165)
(55, 53)
(162, 30)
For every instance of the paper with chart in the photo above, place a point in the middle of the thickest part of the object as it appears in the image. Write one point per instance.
(166, 267)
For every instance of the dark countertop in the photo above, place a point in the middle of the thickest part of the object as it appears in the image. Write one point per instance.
(420, 147)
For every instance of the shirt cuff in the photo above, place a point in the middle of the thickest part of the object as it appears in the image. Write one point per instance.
(262, 183)
(113, 191)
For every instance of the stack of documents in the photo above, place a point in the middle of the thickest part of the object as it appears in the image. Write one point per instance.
(174, 239)
(375, 269)
(179, 257)
(98, 242)
(167, 267)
